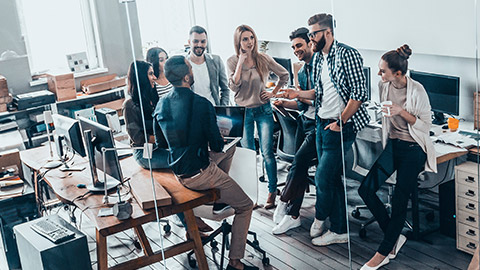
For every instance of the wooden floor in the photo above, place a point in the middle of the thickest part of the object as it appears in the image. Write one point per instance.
(292, 250)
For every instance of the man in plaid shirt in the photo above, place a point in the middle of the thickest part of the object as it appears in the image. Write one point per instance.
(339, 91)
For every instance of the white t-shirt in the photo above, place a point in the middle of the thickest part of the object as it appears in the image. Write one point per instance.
(201, 85)
(332, 103)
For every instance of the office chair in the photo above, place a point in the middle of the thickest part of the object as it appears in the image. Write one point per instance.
(244, 172)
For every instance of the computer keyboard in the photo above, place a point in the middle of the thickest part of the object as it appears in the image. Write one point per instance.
(472, 135)
(52, 231)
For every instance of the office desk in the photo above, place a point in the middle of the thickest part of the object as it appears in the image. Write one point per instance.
(184, 200)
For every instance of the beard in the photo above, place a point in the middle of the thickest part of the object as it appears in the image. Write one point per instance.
(198, 51)
(319, 45)
(191, 80)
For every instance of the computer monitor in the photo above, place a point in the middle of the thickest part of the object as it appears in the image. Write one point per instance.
(100, 137)
(368, 82)
(443, 92)
(69, 129)
(230, 120)
(287, 64)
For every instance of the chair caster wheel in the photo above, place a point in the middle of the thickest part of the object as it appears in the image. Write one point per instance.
(266, 261)
(362, 233)
(192, 262)
(356, 214)
(214, 244)
(262, 179)
(255, 243)
(430, 216)
(167, 228)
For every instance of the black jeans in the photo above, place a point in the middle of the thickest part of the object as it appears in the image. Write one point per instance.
(297, 180)
(408, 159)
(328, 177)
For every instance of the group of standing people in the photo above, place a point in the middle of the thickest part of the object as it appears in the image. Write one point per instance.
(330, 94)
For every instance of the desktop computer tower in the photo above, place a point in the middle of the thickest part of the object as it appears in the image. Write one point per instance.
(14, 211)
(447, 208)
(37, 252)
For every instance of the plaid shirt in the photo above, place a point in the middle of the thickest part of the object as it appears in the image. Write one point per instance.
(345, 66)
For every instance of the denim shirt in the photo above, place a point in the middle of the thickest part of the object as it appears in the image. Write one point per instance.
(186, 123)
(303, 83)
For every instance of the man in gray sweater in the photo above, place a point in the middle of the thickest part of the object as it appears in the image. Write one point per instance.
(208, 69)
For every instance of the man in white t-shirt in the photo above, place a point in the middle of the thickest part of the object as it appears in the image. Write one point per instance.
(208, 69)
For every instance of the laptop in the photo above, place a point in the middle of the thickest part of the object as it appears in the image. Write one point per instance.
(230, 121)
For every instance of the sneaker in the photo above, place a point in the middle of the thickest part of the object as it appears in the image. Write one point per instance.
(279, 212)
(287, 223)
(317, 228)
(330, 238)
(219, 208)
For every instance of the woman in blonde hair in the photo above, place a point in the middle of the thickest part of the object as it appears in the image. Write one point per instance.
(248, 71)
(408, 150)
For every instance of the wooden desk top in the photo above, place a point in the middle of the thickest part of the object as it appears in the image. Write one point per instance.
(64, 184)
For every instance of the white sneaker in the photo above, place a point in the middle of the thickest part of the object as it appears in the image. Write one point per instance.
(317, 228)
(279, 212)
(287, 223)
(329, 238)
(400, 242)
(366, 267)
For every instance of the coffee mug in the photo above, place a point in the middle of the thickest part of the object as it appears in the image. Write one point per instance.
(386, 102)
(453, 124)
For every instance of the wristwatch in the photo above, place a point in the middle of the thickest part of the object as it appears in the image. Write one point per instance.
(338, 122)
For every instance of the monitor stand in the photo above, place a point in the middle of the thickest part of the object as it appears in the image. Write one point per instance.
(438, 118)
(100, 186)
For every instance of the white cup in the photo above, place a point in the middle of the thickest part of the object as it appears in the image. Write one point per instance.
(386, 102)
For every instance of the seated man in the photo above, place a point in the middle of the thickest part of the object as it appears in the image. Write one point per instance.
(187, 126)
(287, 213)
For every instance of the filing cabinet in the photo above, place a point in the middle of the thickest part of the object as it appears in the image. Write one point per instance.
(466, 201)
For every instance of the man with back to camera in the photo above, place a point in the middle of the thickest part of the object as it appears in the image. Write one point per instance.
(287, 213)
(339, 92)
(186, 124)
(209, 71)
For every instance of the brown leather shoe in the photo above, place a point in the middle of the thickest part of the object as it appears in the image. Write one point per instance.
(271, 200)
(202, 226)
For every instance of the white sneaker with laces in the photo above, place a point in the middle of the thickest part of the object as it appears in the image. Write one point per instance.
(287, 223)
(317, 228)
(279, 212)
(329, 238)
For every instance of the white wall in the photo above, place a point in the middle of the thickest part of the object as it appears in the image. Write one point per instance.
(440, 33)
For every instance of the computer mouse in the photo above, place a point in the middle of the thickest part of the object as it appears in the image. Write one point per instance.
(445, 127)
(432, 133)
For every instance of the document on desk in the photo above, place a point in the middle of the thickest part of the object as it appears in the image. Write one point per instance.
(442, 149)
(456, 139)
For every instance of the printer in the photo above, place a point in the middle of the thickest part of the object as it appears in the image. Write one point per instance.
(33, 99)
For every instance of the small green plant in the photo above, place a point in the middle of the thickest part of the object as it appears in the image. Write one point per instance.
(264, 46)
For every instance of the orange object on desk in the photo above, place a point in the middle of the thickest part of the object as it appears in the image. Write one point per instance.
(453, 124)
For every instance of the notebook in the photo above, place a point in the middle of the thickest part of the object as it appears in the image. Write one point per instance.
(230, 121)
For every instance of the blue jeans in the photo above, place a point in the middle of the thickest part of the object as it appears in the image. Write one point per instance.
(328, 180)
(159, 158)
(263, 117)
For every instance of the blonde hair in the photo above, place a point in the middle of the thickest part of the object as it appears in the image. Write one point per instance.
(260, 59)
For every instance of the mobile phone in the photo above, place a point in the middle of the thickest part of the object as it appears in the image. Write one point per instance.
(243, 51)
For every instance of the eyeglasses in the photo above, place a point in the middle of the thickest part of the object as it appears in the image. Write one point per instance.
(313, 34)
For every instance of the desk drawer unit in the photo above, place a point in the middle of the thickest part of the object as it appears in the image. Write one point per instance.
(466, 191)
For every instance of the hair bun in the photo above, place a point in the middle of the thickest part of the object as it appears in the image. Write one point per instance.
(404, 51)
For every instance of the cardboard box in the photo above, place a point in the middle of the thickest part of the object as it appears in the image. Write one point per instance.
(11, 157)
(100, 79)
(3, 86)
(102, 86)
(63, 85)
(6, 99)
(114, 105)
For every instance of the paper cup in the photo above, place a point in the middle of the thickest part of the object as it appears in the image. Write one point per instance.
(386, 102)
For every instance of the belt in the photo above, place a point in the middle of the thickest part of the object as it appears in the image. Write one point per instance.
(192, 174)
(322, 120)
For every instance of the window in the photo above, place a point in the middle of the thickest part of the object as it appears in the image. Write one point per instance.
(164, 23)
(55, 28)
